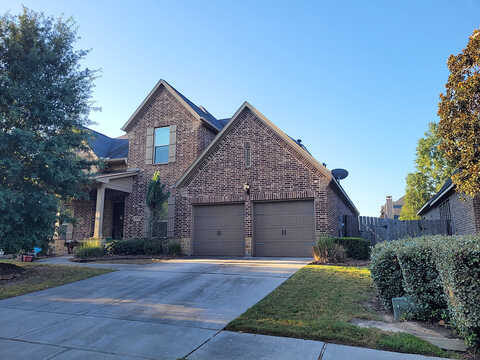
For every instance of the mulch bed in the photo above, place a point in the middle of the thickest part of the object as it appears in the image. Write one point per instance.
(9, 271)
(349, 262)
(122, 257)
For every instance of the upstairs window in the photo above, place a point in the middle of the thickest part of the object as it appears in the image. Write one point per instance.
(161, 143)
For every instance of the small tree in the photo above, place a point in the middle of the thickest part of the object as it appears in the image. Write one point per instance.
(157, 202)
(433, 169)
(459, 111)
(44, 106)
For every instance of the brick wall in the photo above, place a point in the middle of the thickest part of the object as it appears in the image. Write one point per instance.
(84, 213)
(465, 213)
(463, 216)
(277, 172)
(336, 209)
(193, 136)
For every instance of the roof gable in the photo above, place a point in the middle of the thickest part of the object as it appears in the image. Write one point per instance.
(299, 148)
(198, 112)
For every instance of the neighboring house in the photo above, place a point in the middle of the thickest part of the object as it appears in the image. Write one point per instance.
(461, 211)
(391, 209)
(238, 186)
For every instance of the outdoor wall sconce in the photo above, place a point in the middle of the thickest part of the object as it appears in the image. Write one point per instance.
(246, 187)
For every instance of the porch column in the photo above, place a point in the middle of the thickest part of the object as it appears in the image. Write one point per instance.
(98, 229)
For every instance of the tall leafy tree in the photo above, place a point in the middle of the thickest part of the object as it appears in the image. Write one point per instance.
(432, 169)
(459, 111)
(44, 105)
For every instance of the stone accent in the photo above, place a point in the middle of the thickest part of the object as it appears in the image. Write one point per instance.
(186, 245)
(248, 246)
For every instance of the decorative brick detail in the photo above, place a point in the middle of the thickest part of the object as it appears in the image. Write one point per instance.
(248, 246)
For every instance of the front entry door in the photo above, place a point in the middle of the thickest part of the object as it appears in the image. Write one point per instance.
(118, 213)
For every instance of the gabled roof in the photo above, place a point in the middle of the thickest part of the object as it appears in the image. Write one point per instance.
(295, 145)
(106, 147)
(447, 186)
(198, 112)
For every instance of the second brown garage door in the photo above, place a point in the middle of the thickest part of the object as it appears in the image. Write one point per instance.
(218, 230)
(284, 228)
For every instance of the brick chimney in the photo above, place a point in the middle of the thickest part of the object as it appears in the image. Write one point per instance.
(389, 207)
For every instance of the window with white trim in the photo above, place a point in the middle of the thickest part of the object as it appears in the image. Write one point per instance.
(161, 143)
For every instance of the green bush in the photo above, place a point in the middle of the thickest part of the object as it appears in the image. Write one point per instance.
(153, 247)
(90, 248)
(135, 247)
(174, 248)
(126, 247)
(386, 272)
(356, 248)
(459, 267)
(328, 251)
(421, 280)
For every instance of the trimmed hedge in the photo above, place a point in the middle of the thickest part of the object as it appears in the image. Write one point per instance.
(439, 272)
(421, 280)
(459, 267)
(90, 248)
(356, 248)
(386, 272)
(135, 247)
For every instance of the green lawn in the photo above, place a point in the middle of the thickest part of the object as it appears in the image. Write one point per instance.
(318, 302)
(42, 276)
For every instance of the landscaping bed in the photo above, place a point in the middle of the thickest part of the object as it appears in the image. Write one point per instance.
(319, 302)
(124, 259)
(34, 277)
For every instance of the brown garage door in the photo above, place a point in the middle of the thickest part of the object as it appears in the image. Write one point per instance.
(284, 228)
(218, 230)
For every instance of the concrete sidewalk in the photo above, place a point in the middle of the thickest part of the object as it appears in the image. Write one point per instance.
(229, 345)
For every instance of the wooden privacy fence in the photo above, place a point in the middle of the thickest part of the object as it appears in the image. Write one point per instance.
(378, 229)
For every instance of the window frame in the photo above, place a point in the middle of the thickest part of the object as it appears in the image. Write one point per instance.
(155, 146)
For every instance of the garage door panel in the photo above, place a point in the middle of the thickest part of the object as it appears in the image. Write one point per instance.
(284, 228)
(218, 230)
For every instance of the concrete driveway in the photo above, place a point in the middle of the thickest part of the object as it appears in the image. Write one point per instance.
(165, 310)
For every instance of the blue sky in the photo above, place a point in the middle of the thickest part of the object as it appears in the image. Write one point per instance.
(357, 81)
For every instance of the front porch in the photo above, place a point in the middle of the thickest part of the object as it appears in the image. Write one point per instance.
(101, 216)
(109, 198)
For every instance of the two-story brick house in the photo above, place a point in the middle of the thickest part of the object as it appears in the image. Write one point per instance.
(239, 186)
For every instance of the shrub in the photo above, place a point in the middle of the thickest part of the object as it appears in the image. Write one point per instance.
(135, 247)
(174, 248)
(126, 247)
(327, 250)
(153, 247)
(386, 272)
(459, 268)
(356, 248)
(421, 280)
(90, 248)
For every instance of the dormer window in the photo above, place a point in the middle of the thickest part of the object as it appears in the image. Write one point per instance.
(161, 141)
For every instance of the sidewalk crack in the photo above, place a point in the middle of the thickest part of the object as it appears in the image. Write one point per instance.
(324, 347)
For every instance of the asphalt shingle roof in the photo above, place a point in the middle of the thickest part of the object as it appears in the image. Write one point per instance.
(107, 147)
(428, 204)
(201, 111)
